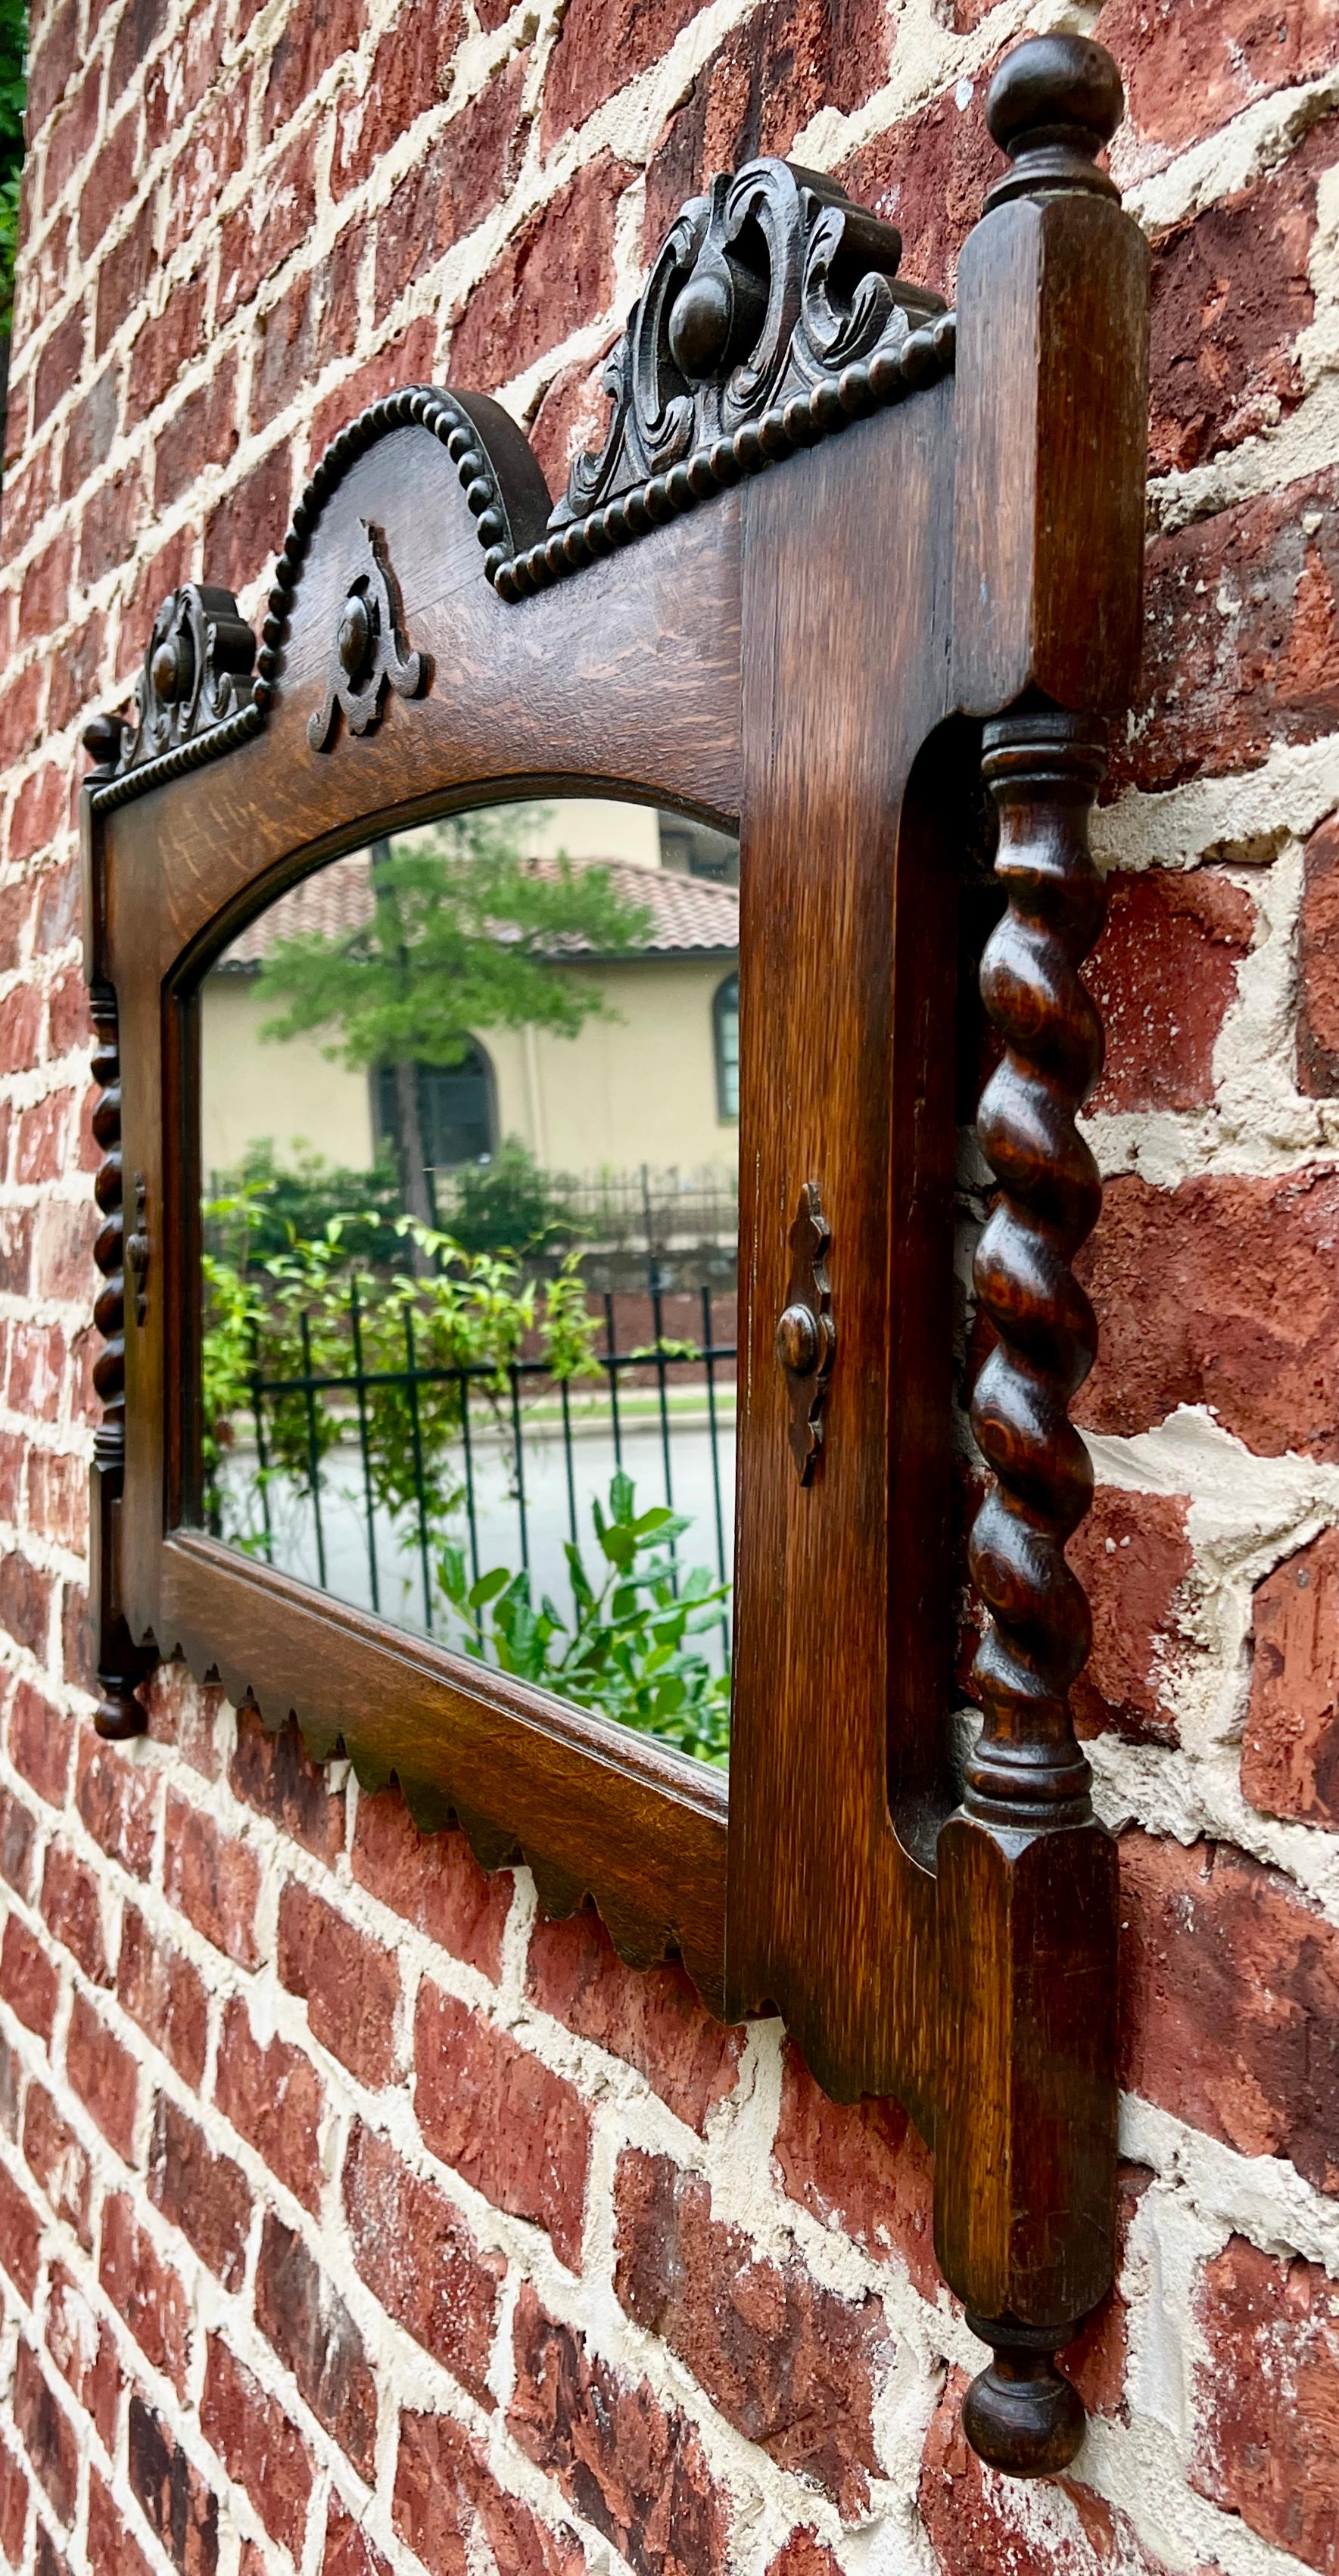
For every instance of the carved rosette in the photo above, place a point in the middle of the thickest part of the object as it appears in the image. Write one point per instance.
(773, 317)
(371, 654)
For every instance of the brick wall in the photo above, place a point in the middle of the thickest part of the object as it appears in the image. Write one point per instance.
(351, 2218)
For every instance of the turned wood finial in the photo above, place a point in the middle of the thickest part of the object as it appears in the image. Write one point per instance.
(1053, 105)
(1043, 771)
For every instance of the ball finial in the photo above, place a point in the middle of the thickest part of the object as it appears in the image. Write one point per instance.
(1054, 103)
(1021, 2414)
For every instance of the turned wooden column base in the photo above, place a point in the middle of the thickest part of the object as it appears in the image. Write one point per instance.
(1021, 2414)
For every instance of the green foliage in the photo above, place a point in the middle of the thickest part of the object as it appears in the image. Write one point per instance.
(462, 936)
(13, 89)
(272, 1205)
(315, 1310)
(507, 1205)
(629, 1651)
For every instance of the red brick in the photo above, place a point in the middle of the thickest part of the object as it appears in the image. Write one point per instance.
(205, 2195)
(16, 1234)
(1190, 65)
(41, 1743)
(48, 2560)
(416, 2252)
(258, 2446)
(248, 525)
(20, 2234)
(11, 2088)
(214, 151)
(515, 2130)
(202, 431)
(38, 810)
(184, 1712)
(650, 2017)
(46, 2433)
(635, 2471)
(72, 1911)
(410, 74)
(146, 2293)
(1290, 1747)
(929, 176)
(57, 2161)
(409, 359)
(103, 2074)
(310, 41)
(62, 1248)
(37, 1355)
(55, 63)
(165, 343)
(557, 273)
(110, 181)
(83, 2350)
(351, 1986)
(124, 277)
(174, 2499)
(111, 2550)
(165, 1994)
(311, 2329)
(804, 2555)
(114, 1793)
(860, 2168)
(18, 1828)
(348, 2551)
(14, 2507)
(137, 34)
(1269, 2399)
(453, 185)
(185, 69)
(72, 135)
(212, 1879)
(39, 1142)
(1231, 2001)
(764, 81)
(1240, 640)
(449, 2508)
(158, 576)
(1231, 293)
(314, 321)
(432, 1880)
(111, 519)
(277, 215)
(59, 366)
(1098, 2357)
(275, 2100)
(571, 420)
(1223, 1293)
(600, 49)
(790, 2364)
(1318, 953)
(27, 1979)
(28, 496)
(58, 1498)
(275, 1774)
(1164, 975)
(20, 1037)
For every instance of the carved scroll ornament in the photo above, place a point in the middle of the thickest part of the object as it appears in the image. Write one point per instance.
(371, 654)
(193, 698)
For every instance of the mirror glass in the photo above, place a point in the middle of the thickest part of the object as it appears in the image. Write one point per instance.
(469, 1121)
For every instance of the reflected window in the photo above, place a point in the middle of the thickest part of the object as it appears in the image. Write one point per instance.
(725, 1015)
(455, 1110)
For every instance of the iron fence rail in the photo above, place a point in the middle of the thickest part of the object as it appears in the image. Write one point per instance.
(359, 1383)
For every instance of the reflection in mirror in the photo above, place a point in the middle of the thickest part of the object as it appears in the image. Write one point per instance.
(469, 1104)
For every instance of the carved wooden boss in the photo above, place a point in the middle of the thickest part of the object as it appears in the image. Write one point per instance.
(836, 537)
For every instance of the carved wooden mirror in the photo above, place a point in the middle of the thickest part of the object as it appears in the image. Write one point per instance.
(582, 862)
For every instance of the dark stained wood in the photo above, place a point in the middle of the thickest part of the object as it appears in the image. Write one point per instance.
(806, 651)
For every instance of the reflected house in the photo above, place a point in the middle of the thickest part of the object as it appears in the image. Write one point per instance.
(649, 1087)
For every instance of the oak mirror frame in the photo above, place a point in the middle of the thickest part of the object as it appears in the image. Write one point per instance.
(840, 544)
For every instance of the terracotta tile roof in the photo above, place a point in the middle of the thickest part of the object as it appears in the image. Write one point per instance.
(690, 916)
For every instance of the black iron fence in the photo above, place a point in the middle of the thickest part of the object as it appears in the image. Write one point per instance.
(503, 1412)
